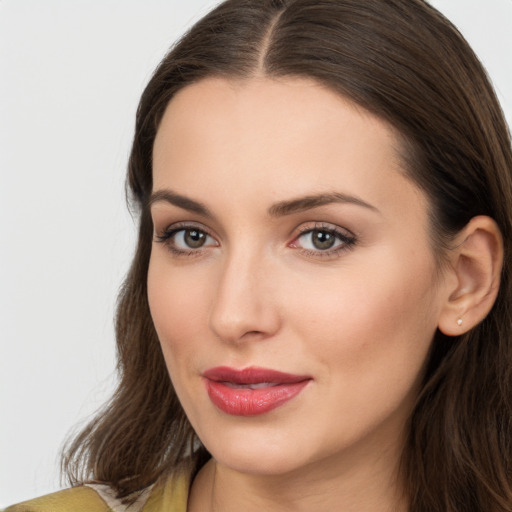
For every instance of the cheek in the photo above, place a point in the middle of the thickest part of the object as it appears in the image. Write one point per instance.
(372, 328)
(177, 305)
(369, 339)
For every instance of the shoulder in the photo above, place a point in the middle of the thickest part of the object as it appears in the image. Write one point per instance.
(170, 496)
(76, 499)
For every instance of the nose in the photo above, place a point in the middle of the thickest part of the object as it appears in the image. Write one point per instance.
(244, 306)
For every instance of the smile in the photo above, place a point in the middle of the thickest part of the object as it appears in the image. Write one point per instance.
(251, 391)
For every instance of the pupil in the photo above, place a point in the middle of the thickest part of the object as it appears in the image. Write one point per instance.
(323, 239)
(194, 238)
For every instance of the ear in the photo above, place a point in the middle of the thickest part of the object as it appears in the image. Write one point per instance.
(475, 264)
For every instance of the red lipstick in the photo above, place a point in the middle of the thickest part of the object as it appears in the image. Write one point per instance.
(251, 391)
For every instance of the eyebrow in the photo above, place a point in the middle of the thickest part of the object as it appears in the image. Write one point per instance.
(279, 209)
(315, 201)
(180, 201)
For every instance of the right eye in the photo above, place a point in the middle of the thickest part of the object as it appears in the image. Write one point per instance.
(186, 240)
(190, 238)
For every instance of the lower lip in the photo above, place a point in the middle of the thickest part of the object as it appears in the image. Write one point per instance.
(251, 402)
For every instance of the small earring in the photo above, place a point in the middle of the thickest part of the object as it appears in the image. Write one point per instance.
(459, 322)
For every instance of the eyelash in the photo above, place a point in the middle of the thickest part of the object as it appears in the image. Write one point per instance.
(347, 239)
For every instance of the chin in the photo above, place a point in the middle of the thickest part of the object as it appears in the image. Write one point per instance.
(259, 463)
(257, 453)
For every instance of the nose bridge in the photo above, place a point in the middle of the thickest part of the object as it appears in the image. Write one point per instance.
(241, 304)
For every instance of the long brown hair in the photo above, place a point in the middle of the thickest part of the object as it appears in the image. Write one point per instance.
(404, 62)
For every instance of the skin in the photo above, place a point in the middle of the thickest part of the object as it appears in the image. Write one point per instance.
(359, 320)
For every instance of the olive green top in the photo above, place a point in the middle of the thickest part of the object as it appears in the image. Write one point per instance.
(169, 497)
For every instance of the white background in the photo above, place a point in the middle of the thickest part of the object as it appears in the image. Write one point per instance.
(71, 72)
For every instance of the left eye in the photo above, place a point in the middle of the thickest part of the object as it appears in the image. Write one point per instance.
(322, 240)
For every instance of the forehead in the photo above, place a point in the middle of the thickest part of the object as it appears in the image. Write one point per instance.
(285, 106)
(267, 138)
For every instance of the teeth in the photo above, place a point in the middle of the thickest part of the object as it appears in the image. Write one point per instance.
(259, 385)
(262, 385)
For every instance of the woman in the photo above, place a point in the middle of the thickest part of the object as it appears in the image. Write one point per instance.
(323, 270)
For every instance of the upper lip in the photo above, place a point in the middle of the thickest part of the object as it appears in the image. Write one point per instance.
(252, 375)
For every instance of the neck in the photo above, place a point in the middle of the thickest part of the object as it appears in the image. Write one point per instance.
(357, 483)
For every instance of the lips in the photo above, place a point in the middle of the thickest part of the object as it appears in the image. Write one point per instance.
(251, 391)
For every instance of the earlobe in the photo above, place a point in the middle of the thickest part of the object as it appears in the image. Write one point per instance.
(476, 263)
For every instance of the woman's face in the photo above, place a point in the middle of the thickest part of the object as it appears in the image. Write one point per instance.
(287, 239)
